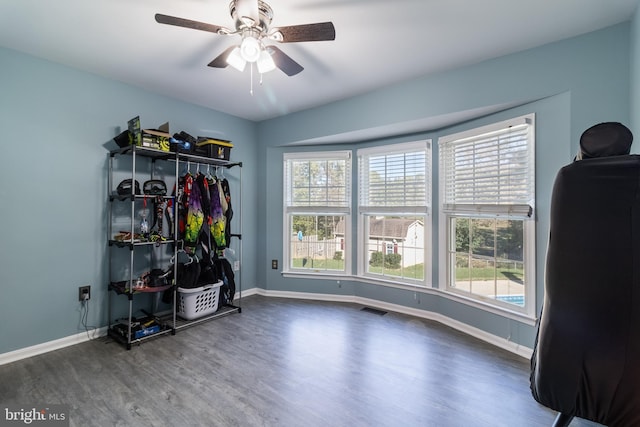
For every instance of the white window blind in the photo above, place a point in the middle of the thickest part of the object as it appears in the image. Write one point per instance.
(314, 180)
(491, 171)
(395, 178)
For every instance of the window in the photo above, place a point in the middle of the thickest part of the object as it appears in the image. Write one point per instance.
(394, 198)
(390, 247)
(317, 188)
(487, 194)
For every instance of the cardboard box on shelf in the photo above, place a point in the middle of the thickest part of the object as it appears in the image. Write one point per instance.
(149, 138)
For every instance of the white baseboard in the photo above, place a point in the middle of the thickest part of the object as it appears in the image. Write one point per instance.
(495, 340)
(500, 342)
(46, 347)
(35, 350)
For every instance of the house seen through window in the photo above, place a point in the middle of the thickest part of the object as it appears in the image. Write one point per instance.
(394, 194)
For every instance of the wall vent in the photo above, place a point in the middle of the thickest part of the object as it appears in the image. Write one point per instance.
(374, 311)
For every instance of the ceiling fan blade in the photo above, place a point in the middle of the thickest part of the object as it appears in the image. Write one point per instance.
(284, 61)
(248, 9)
(221, 60)
(305, 33)
(187, 23)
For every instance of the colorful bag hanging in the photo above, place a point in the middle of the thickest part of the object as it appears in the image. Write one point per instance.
(218, 220)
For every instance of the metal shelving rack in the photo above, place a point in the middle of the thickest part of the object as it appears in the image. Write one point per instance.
(170, 323)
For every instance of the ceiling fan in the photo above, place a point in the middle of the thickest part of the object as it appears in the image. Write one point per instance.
(252, 23)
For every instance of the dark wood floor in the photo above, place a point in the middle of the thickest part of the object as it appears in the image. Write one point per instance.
(286, 363)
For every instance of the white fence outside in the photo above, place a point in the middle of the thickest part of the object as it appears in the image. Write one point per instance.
(311, 247)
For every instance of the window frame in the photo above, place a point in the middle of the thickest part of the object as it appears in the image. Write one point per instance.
(366, 211)
(289, 210)
(514, 211)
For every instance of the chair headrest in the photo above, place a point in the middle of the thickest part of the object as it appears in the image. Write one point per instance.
(606, 139)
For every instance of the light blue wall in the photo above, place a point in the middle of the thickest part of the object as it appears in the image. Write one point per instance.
(570, 85)
(54, 123)
(581, 65)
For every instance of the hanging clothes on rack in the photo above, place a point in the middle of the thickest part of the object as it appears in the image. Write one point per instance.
(228, 279)
(207, 273)
(205, 198)
(228, 211)
(218, 220)
(195, 216)
(182, 193)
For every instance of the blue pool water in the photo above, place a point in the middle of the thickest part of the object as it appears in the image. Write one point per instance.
(513, 299)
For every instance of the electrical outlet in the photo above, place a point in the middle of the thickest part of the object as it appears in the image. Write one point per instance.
(274, 264)
(84, 293)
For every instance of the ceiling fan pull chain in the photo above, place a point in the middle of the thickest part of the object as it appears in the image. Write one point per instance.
(251, 90)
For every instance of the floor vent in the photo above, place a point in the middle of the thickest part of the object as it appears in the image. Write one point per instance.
(374, 311)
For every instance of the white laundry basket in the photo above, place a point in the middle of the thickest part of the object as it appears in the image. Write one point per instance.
(198, 302)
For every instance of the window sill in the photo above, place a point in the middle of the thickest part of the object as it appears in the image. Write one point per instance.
(491, 308)
(424, 289)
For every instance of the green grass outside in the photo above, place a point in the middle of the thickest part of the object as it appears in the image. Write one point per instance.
(489, 273)
(412, 272)
(417, 271)
(319, 264)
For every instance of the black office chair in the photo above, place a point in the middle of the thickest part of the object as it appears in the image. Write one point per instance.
(586, 360)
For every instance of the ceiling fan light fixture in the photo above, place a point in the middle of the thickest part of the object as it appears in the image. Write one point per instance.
(250, 49)
(265, 62)
(235, 59)
(252, 22)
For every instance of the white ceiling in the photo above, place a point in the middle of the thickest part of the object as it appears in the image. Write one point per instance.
(378, 42)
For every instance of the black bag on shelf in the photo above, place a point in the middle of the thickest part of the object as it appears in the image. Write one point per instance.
(182, 142)
(188, 274)
(124, 187)
(123, 139)
(208, 272)
(158, 278)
